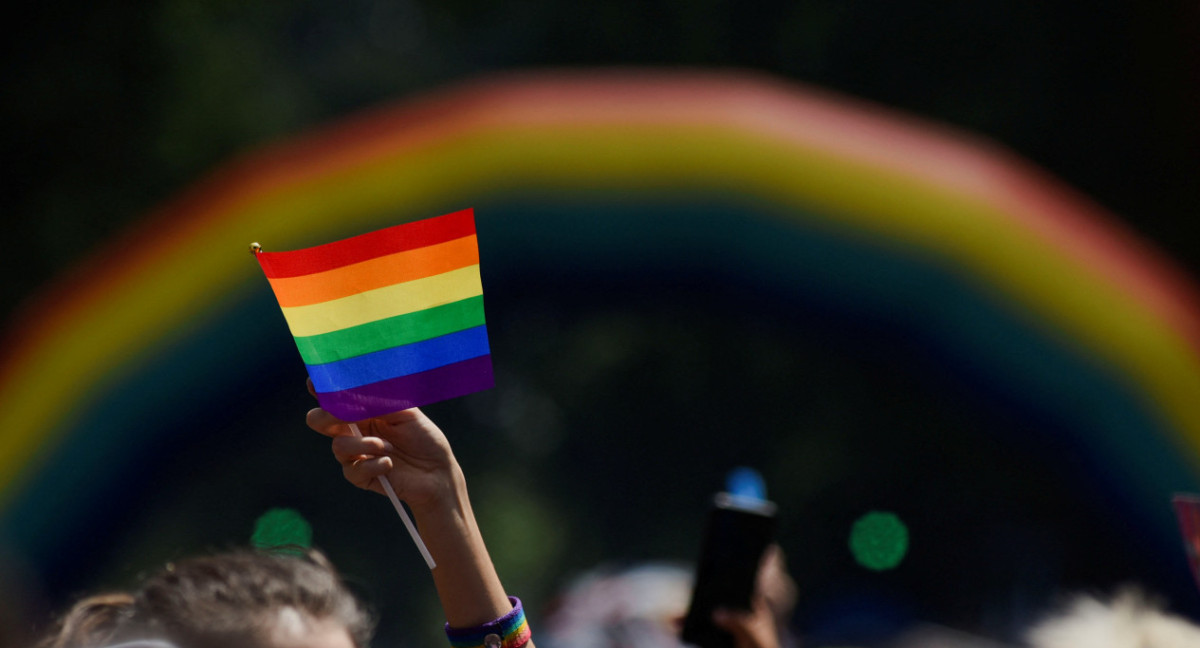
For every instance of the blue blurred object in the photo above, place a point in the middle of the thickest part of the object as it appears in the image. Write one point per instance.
(747, 483)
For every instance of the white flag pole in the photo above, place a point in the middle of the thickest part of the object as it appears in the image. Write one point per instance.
(408, 523)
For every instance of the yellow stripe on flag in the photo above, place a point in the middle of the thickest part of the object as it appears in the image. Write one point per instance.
(389, 301)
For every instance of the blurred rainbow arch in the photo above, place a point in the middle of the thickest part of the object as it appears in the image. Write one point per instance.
(805, 163)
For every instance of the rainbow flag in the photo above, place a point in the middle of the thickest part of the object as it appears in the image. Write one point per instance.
(1187, 510)
(387, 320)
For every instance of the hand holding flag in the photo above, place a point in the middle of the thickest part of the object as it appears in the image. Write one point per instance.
(405, 446)
(408, 453)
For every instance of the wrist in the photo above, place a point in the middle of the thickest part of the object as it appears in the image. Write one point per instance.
(508, 631)
(448, 500)
(465, 578)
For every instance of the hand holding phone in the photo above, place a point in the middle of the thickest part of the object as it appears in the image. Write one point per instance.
(737, 534)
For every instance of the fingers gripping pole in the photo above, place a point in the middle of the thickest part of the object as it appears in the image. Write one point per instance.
(408, 523)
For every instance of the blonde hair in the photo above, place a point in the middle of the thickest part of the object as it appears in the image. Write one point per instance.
(1128, 620)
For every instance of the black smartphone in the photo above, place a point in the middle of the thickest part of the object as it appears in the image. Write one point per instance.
(738, 531)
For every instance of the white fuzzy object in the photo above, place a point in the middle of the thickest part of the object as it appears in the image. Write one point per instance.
(1129, 620)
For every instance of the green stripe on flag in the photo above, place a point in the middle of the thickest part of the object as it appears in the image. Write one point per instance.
(391, 332)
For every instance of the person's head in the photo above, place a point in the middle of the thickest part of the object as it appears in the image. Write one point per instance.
(1127, 621)
(241, 599)
(635, 606)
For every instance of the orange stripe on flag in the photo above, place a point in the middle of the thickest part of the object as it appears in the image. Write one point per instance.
(376, 273)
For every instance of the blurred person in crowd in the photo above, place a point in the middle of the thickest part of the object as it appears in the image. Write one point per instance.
(641, 606)
(237, 599)
(1128, 620)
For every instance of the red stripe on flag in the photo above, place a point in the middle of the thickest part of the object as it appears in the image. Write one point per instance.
(398, 238)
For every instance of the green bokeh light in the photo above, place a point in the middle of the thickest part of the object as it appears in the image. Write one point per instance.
(282, 529)
(879, 540)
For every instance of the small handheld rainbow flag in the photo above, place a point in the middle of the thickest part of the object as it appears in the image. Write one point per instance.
(387, 320)
(1187, 510)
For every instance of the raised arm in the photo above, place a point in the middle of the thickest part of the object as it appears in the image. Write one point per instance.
(416, 458)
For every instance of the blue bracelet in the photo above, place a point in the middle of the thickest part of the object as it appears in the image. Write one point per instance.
(509, 631)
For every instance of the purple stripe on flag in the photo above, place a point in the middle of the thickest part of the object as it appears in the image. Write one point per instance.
(403, 360)
(413, 390)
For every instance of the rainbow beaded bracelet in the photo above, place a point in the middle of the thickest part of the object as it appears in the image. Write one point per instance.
(509, 631)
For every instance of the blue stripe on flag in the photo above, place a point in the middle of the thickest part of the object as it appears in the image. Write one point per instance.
(400, 361)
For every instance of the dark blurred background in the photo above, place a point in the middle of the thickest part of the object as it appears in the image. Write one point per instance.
(110, 108)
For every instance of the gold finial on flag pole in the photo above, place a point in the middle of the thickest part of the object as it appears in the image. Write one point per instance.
(255, 248)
